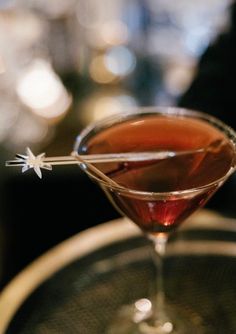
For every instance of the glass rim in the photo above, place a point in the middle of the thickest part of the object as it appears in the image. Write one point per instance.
(162, 110)
(160, 195)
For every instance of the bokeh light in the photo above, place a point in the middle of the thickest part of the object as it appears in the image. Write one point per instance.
(114, 32)
(40, 89)
(99, 71)
(120, 60)
(102, 104)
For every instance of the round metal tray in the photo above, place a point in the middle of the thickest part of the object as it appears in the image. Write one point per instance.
(79, 286)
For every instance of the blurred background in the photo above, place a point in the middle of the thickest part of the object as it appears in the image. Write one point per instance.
(66, 63)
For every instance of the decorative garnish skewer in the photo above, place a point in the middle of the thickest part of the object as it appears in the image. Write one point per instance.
(29, 160)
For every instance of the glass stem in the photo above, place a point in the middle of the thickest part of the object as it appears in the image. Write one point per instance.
(159, 306)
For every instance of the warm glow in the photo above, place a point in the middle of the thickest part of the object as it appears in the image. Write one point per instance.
(109, 33)
(40, 89)
(8, 117)
(28, 131)
(114, 32)
(20, 30)
(143, 305)
(104, 104)
(178, 77)
(109, 105)
(99, 72)
(2, 66)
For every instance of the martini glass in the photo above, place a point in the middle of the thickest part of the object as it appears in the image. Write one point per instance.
(159, 194)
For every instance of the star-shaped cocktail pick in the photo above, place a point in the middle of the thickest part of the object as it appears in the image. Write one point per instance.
(39, 162)
(29, 161)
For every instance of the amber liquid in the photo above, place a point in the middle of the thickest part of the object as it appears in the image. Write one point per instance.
(156, 213)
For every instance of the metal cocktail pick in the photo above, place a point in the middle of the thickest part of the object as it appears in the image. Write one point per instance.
(29, 160)
(39, 162)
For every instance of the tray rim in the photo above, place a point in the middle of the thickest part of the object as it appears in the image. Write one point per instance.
(94, 238)
(43, 267)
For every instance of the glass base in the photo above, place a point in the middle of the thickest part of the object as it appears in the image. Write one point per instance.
(131, 320)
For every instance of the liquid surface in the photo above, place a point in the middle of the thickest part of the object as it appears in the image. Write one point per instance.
(152, 133)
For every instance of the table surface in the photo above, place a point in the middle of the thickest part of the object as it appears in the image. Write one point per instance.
(60, 291)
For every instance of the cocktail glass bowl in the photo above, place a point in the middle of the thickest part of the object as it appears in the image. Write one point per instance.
(158, 195)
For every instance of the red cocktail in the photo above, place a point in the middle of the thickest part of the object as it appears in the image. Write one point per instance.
(159, 194)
